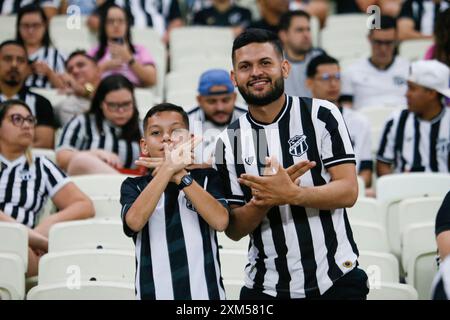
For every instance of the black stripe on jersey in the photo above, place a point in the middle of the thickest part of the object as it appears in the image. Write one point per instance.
(332, 125)
(51, 178)
(221, 164)
(148, 17)
(129, 155)
(101, 143)
(146, 281)
(417, 159)
(349, 231)
(76, 132)
(383, 143)
(325, 215)
(9, 188)
(175, 244)
(234, 136)
(399, 136)
(276, 224)
(23, 196)
(366, 165)
(37, 186)
(88, 140)
(434, 132)
(260, 266)
(115, 147)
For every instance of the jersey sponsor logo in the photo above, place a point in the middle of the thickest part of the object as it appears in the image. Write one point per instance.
(399, 81)
(189, 204)
(25, 175)
(235, 18)
(443, 146)
(249, 160)
(297, 145)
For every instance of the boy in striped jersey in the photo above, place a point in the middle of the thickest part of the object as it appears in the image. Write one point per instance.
(172, 214)
(301, 243)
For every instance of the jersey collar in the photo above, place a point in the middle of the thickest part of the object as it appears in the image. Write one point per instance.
(287, 104)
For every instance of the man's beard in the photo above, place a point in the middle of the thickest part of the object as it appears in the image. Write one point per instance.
(219, 124)
(11, 82)
(276, 92)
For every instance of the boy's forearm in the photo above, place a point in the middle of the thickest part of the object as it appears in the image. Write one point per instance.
(245, 219)
(209, 208)
(142, 209)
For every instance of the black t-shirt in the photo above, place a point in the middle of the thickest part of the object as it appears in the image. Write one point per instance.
(443, 216)
(235, 16)
(263, 24)
(347, 6)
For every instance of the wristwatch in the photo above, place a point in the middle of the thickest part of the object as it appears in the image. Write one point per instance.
(186, 181)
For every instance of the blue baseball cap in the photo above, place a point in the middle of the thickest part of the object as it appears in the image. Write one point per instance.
(215, 77)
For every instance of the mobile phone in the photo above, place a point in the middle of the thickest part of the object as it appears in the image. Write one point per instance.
(118, 40)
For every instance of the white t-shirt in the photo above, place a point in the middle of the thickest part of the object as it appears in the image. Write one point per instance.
(371, 87)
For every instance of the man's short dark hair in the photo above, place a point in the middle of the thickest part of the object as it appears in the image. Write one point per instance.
(311, 70)
(387, 22)
(79, 53)
(162, 107)
(254, 35)
(14, 43)
(286, 18)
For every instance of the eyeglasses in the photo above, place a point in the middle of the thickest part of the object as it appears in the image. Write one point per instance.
(329, 77)
(380, 43)
(33, 26)
(114, 106)
(18, 120)
(112, 21)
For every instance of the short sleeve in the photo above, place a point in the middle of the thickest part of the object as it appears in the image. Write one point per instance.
(443, 216)
(54, 177)
(215, 188)
(143, 55)
(129, 192)
(386, 149)
(335, 140)
(44, 112)
(224, 164)
(72, 134)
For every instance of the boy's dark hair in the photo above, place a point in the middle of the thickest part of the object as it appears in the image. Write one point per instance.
(286, 18)
(254, 35)
(387, 22)
(79, 53)
(311, 70)
(166, 106)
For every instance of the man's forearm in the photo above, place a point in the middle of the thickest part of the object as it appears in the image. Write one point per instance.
(245, 219)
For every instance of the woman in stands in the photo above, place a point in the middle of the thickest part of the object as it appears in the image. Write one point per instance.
(117, 54)
(27, 180)
(106, 139)
(32, 30)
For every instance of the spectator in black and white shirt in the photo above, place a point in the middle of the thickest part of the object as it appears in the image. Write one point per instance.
(417, 18)
(14, 69)
(417, 139)
(27, 181)
(46, 61)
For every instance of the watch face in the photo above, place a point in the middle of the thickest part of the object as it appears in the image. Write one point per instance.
(187, 180)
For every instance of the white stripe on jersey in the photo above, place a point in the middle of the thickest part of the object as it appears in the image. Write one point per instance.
(53, 58)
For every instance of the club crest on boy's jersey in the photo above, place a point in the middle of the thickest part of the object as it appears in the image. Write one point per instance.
(297, 145)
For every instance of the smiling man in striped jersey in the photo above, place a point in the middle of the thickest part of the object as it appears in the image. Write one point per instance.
(301, 243)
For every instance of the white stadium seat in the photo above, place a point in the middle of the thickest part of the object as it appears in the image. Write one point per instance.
(8, 29)
(414, 49)
(419, 257)
(233, 288)
(370, 236)
(14, 240)
(227, 243)
(12, 277)
(366, 210)
(70, 33)
(379, 266)
(393, 188)
(186, 99)
(100, 184)
(72, 267)
(48, 153)
(92, 290)
(145, 100)
(233, 263)
(107, 207)
(89, 234)
(392, 291)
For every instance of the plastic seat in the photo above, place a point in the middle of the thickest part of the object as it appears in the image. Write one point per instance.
(145, 100)
(14, 240)
(48, 153)
(100, 184)
(233, 288)
(392, 291)
(366, 210)
(379, 266)
(227, 243)
(89, 234)
(12, 277)
(233, 263)
(370, 237)
(414, 49)
(8, 29)
(107, 208)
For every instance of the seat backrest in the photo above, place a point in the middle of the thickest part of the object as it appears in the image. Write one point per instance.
(93, 290)
(14, 240)
(100, 184)
(414, 49)
(370, 236)
(392, 291)
(185, 99)
(377, 115)
(8, 29)
(227, 243)
(233, 263)
(86, 265)
(145, 100)
(89, 234)
(379, 266)
(233, 288)
(12, 276)
(366, 210)
(70, 33)
(107, 208)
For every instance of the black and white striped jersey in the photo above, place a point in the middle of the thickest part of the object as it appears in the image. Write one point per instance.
(53, 58)
(415, 145)
(295, 252)
(8, 7)
(359, 130)
(25, 188)
(40, 107)
(177, 255)
(81, 133)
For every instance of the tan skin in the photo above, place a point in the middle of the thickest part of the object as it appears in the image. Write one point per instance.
(423, 102)
(32, 30)
(297, 38)
(70, 201)
(80, 71)
(330, 90)
(14, 67)
(218, 107)
(255, 69)
(171, 155)
(116, 27)
(119, 118)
